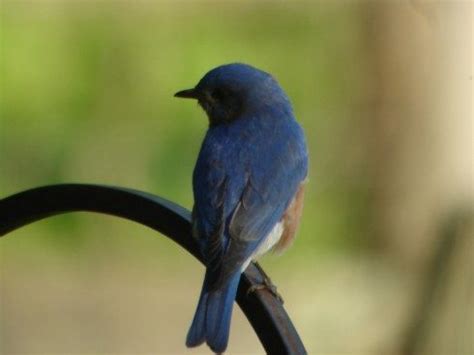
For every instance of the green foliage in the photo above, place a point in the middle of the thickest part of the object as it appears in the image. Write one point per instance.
(87, 96)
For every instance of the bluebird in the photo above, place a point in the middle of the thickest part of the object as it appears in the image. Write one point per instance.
(248, 186)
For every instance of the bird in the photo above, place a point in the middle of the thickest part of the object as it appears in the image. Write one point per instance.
(248, 186)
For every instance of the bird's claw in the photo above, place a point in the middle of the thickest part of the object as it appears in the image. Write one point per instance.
(266, 285)
(270, 288)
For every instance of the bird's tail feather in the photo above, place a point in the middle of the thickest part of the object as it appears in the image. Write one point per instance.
(211, 321)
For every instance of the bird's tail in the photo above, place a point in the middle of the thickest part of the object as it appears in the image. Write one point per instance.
(211, 321)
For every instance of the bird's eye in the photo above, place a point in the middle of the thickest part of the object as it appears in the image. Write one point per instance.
(219, 94)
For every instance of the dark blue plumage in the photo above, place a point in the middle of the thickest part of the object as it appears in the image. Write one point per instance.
(251, 166)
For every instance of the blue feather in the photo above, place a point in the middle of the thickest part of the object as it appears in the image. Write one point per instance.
(211, 321)
(252, 161)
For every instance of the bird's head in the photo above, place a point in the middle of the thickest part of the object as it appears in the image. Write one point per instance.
(230, 91)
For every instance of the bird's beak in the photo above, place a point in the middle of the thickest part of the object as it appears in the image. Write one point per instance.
(187, 94)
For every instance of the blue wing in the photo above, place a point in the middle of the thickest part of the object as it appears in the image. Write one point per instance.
(245, 177)
(244, 180)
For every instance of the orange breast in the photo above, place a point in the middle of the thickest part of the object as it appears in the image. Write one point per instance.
(291, 220)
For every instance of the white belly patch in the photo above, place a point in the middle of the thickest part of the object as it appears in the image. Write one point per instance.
(272, 238)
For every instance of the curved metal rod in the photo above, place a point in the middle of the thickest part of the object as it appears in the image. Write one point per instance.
(264, 311)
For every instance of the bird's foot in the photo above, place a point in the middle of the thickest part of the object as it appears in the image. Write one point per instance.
(267, 284)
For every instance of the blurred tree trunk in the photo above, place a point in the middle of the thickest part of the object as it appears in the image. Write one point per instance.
(422, 159)
(422, 132)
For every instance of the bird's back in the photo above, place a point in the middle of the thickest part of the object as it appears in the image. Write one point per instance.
(267, 152)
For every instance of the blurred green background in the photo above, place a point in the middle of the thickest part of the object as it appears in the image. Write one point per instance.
(87, 96)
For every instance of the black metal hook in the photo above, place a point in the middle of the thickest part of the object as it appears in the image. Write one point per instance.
(264, 311)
